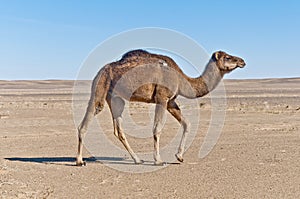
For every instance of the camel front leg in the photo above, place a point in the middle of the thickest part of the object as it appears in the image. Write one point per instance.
(186, 129)
(175, 111)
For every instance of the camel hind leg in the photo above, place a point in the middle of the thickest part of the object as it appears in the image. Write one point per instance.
(96, 103)
(82, 128)
(116, 105)
(91, 111)
(157, 128)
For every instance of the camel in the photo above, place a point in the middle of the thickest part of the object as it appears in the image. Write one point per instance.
(167, 83)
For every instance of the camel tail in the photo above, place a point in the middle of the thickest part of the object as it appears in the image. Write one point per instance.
(100, 88)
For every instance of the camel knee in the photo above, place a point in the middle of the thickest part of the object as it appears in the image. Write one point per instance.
(186, 126)
(157, 128)
(118, 130)
(81, 133)
(156, 137)
(82, 128)
(116, 133)
(156, 131)
(121, 136)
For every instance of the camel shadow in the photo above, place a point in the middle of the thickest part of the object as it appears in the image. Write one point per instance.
(70, 161)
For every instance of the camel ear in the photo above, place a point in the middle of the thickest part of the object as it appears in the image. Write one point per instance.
(217, 55)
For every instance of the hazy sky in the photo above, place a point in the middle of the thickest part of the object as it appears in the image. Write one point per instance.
(50, 39)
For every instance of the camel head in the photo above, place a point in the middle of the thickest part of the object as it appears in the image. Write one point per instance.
(226, 62)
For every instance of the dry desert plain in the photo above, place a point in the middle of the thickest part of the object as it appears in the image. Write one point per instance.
(256, 156)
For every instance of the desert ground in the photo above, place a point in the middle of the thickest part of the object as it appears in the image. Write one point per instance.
(256, 156)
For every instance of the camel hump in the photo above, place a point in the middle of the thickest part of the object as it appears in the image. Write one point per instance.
(135, 53)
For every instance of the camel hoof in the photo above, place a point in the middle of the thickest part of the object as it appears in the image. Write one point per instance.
(138, 161)
(81, 163)
(179, 158)
(159, 163)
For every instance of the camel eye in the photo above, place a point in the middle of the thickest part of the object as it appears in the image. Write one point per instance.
(227, 58)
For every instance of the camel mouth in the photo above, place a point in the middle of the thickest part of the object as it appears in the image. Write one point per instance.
(242, 65)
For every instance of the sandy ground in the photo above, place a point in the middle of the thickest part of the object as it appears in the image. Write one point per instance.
(256, 156)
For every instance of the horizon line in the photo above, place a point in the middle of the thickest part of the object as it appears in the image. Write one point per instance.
(53, 79)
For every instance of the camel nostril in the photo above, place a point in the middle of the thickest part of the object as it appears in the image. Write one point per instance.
(242, 64)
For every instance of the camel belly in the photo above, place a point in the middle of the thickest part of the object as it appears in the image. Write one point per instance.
(143, 94)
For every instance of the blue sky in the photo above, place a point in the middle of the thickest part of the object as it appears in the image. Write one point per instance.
(50, 39)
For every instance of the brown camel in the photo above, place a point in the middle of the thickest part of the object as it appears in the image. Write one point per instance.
(151, 78)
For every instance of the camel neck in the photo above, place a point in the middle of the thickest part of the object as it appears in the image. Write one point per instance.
(204, 84)
(212, 75)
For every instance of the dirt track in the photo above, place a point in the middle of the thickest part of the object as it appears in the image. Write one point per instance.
(257, 155)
